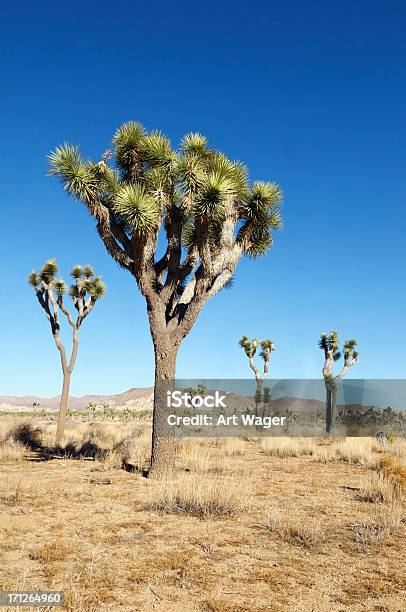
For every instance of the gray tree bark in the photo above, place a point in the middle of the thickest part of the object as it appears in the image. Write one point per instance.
(163, 446)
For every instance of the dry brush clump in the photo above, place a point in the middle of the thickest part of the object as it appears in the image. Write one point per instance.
(110, 442)
(12, 451)
(26, 434)
(200, 496)
(11, 492)
(292, 530)
(287, 447)
(51, 551)
(355, 451)
(233, 447)
(380, 527)
(377, 488)
(194, 457)
(394, 472)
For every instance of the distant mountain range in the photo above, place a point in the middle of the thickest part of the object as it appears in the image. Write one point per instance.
(139, 396)
(142, 399)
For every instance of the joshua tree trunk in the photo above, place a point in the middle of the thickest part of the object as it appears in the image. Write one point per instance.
(63, 408)
(331, 401)
(259, 403)
(163, 446)
(67, 373)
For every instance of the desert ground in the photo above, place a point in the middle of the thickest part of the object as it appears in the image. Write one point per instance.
(242, 525)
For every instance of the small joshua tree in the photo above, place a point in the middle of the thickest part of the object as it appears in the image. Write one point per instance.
(250, 348)
(85, 291)
(329, 343)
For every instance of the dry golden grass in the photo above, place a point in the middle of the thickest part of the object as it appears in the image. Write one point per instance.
(203, 496)
(356, 451)
(12, 451)
(232, 447)
(235, 528)
(378, 488)
(194, 456)
(287, 447)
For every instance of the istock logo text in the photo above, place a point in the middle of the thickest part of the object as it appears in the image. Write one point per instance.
(178, 399)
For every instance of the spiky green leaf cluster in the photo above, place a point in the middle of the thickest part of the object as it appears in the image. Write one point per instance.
(88, 271)
(136, 207)
(33, 279)
(128, 144)
(349, 350)
(46, 275)
(249, 346)
(260, 213)
(330, 342)
(86, 283)
(194, 144)
(76, 176)
(267, 346)
(48, 271)
(76, 271)
(214, 190)
(59, 286)
(150, 178)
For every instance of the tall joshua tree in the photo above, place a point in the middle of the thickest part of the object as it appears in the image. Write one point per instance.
(329, 343)
(85, 291)
(178, 221)
(250, 348)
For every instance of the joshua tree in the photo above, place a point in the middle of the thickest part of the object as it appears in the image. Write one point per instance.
(178, 221)
(329, 343)
(250, 348)
(85, 291)
(91, 410)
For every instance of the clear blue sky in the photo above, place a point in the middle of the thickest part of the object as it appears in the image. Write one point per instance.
(309, 95)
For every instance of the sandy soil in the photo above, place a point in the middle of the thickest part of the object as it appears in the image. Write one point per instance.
(87, 528)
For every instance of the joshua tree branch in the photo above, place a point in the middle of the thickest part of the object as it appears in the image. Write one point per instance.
(328, 363)
(45, 305)
(53, 320)
(88, 307)
(109, 231)
(254, 367)
(348, 363)
(65, 311)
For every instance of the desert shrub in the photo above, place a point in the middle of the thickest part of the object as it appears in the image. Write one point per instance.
(27, 435)
(393, 471)
(199, 496)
